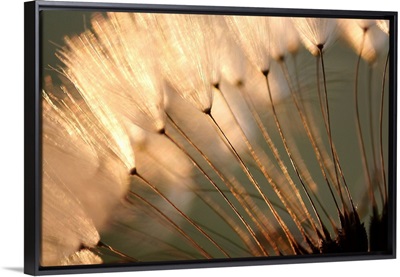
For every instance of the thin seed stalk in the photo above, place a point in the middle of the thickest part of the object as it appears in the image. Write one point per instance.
(274, 150)
(191, 221)
(359, 130)
(284, 227)
(308, 132)
(241, 218)
(230, 186)
(381, 126)
(270, 180)
(170, 221)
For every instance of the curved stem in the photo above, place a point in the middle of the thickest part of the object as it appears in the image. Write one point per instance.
(381, 126)
(328, 120)
(248, 227)
(273, 184)
(191, 221)
(308, 132)
(117, 252)
(232, 190)
(170, 221)
(371, 131)
(359, 130)
(284, 227)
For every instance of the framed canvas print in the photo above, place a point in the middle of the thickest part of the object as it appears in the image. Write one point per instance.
(160, 137)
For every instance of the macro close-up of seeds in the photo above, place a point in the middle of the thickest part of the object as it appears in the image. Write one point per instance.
(176, 137)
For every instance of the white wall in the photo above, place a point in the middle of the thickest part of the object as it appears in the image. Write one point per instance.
(11, 149)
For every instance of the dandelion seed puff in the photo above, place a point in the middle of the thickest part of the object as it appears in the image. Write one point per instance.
(162, 151)
(61, 134)
(104, 128)
(278, 83)
(135, 53)
(316, 32)
(162, 164)
(383, 25)
(191, 121)
(365, 37)
(65, 224)
(252, 34)
(188, 61)
(284, 37)
(222, 112)
(82, 257)
(98, 172)
(104, 63)
(233, 62)
(167, 167)
(257, 89)
(116, 137)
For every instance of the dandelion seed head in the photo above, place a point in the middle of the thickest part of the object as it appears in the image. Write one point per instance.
(103, 63)
(233, 62)
(252, 34)
(365, 24)
(284, 37)
(116, 137)
(189, 57)
(82, 257)
(383, 25)
(61, 238)
(57, 125)
(97, 172)
(158, 158)
(365, 37)
(228, 123)
(316, 32)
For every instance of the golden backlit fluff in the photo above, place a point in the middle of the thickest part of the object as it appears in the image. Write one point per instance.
(253, 35)
(365, 36)
(123, 76)
(316, 33)
(85, 174)
(196, 136)
(65, 224)
(383, 25)
(83, 257)
(189, 57)
(283, 44)
(234, 64)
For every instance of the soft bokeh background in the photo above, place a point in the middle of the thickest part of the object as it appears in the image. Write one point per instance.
(11, 150)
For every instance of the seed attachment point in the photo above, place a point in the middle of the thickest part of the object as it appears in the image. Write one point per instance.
(161, 131)
(240, 83)
(265, 72)
(207, 111)
(133, 171)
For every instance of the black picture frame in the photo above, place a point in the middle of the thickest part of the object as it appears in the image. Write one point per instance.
(33, 137)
